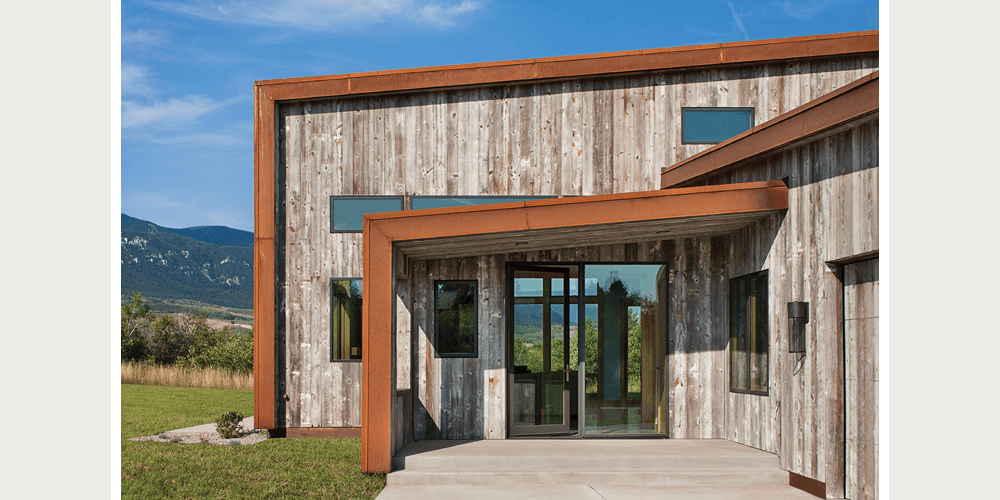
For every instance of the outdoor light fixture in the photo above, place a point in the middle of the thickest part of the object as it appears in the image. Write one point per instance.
(798, 316)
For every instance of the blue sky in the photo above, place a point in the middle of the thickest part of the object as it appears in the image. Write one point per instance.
(187, 68)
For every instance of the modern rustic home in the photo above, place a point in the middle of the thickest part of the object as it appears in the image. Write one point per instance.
(678, 243)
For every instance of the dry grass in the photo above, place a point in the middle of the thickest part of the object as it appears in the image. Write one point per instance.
(209, 378)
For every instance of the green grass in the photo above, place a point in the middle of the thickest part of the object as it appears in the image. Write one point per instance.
(276, 468)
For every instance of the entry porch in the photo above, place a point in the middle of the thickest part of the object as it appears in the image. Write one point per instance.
(583, 469)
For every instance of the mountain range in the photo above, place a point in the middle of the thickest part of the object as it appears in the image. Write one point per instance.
(211, 264)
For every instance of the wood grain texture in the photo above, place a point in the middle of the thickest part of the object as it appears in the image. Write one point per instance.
(576, 137)
(833, 210)
(861, 394)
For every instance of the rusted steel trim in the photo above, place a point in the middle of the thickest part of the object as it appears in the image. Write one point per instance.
(569, 212)
(526, 70)
(377, 388)
(807, 484)
(264, 252)
(323, 432)
(848, 103)
(382, 230)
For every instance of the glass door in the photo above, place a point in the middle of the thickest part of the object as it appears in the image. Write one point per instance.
(540, 372)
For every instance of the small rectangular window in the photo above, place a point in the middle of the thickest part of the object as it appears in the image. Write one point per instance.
(421, 202)
(345, 319)
(714, 125)
(346, 212)
(455, 319)
(748, 336)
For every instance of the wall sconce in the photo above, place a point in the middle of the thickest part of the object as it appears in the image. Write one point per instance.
(798, 316)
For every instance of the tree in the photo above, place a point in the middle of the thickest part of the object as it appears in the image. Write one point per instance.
(137, 318)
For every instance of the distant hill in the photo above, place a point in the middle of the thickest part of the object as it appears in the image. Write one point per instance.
(212, 264)
(216, 235)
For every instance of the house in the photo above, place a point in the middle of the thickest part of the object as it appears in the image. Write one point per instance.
(680, 243)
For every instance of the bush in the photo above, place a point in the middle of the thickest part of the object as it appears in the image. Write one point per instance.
(189, 343)
(230, 424)
(226, 349)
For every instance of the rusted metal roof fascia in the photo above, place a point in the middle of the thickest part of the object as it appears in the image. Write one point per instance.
(592, 65)
(849, 103)
(575, 200)
(571, 212)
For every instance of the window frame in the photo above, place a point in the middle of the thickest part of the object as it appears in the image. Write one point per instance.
(334, 198)
(332, 312)
(753, 120)
(475, 321)
(767, 335)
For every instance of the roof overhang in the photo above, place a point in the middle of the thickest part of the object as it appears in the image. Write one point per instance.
(569, 67)
(516, 227)
(839, 110)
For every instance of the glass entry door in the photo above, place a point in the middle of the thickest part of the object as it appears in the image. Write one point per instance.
(540, 373)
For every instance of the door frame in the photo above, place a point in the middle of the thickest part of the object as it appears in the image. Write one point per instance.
(564, 427)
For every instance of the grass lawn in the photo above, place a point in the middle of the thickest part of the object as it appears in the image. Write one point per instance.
(276, 468)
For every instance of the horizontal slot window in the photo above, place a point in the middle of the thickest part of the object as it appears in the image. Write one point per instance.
(421, 202)
(714, 125)
(347, 212)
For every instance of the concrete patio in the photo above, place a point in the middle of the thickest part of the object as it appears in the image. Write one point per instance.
(584, 469)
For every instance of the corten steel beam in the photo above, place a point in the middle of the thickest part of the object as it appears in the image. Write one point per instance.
(567, 67)
(263, 263)
(852, 102)
(383, 230)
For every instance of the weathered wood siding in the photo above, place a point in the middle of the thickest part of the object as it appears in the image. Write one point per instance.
(577, 137)
(833, 214)
(698, 323)
(697, 336)
(861, 349)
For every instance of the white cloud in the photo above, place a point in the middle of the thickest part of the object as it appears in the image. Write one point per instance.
(203, 140)
(147, 199)
(738, 21)
(321, 15)
(806, 9)
(171, 111)
(133, 38)
(441, 15)
(135, 80)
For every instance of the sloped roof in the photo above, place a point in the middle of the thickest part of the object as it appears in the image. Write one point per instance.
(854, 103)
(566, 67)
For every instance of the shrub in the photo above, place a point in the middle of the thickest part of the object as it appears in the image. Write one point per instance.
(230, 424)
(225, 349)
(169, 342)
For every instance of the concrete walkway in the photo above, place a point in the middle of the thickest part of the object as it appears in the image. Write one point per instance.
(593, 492)
(599, 469)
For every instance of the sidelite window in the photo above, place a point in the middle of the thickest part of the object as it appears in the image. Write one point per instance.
(421, 202)
(455, 319)
(345, 319)
(748, 338)
(714, 125)
(346, 212)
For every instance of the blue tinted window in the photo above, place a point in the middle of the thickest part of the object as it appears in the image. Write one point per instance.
(714, 125)
(346, 211)
(420, 202)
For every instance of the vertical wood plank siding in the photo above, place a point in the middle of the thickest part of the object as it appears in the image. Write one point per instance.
(833, 214)
(861, 331)
(578, 137)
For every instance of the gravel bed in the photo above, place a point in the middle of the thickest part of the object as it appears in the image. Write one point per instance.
(245, 438)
